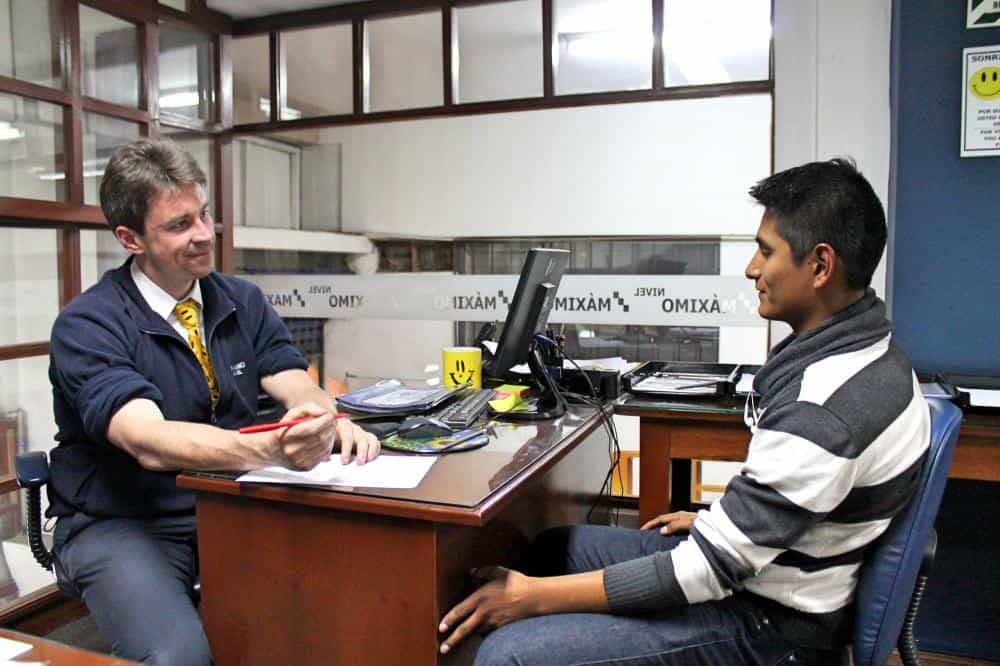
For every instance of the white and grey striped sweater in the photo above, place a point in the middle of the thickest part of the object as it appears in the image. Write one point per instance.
(841, 433)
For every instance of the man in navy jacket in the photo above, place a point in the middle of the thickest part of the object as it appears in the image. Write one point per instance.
(134, 405)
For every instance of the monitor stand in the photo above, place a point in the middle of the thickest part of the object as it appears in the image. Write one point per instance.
(550, 404)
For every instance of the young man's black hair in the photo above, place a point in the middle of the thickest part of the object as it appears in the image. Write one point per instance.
(828, 202)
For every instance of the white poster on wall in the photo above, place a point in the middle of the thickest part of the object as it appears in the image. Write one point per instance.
(980, 101)
(652, 300)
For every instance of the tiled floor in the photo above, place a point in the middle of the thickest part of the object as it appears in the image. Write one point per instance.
(83, 633)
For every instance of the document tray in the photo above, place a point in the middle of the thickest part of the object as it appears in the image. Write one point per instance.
(680, 379)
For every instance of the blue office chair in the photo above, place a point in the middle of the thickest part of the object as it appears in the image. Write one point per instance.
(895, 572)
(32, 471)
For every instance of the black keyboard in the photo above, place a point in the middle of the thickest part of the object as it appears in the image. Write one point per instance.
(464, 410)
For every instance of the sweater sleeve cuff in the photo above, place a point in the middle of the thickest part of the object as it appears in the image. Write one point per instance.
(643, 585)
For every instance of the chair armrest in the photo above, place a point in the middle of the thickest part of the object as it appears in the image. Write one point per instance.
(32, 469)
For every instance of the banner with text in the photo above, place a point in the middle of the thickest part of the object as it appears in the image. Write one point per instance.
(675, 300)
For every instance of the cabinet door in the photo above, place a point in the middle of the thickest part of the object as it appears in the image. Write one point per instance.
(268, 184)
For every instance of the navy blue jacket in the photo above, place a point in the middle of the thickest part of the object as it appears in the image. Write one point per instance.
(109, 347)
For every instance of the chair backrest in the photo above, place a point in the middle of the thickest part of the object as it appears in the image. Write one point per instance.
(890, 569)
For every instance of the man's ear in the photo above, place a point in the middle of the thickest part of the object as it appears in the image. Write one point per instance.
(129, 239)
(824, 265)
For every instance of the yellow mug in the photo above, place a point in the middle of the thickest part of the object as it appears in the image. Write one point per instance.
(462, 365)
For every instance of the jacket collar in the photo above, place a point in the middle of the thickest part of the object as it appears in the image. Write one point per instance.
(216, 301)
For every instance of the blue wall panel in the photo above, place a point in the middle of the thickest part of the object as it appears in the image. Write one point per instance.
(946, 254)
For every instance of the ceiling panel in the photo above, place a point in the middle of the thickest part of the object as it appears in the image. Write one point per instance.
(243, 9)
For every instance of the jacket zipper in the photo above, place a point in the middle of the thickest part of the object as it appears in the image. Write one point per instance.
(174, 335)
(208, 350)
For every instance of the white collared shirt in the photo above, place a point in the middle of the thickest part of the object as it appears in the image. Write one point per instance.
(162, 303)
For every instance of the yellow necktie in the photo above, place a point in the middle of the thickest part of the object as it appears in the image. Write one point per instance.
(187, 313)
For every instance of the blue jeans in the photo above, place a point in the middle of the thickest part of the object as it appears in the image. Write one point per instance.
(136, 576)
(719, 633)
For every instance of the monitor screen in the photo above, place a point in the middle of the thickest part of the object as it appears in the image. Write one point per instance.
(534, 298)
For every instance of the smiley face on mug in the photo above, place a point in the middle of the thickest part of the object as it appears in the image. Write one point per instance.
(461, 373)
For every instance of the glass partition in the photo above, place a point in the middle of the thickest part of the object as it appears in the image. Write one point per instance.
(29, 286)
(187, 72)
(603, 45)
(251, 81)
(499, 51)
(102, 136)
(609, 257)
(100, 251)
(200, 147)
(31, 149)
(26, 424)
(109, 49)
(320, 74)
(719, 42)
(403, 62)
(30, 36)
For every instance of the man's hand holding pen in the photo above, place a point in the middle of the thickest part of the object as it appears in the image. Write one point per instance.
(308, 435)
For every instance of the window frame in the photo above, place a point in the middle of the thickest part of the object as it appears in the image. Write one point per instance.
(46, 608)
(359, 13)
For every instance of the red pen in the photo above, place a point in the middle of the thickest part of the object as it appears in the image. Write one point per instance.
(265, 427)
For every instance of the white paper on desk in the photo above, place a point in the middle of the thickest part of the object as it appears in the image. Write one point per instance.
(982, 397)
(611, 363)
(383, 472)
(10, 649)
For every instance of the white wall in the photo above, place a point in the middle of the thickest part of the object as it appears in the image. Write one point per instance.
(677, 167)
(831, 80)
(831, 75)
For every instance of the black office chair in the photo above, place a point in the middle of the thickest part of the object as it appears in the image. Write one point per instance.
(32, 471)
(894, 574)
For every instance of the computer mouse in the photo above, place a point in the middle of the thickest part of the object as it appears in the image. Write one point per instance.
(421, 427)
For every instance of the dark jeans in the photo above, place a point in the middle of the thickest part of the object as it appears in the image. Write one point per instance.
(719, 633)
(136, 577)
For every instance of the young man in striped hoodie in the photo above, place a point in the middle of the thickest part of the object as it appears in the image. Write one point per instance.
(767, 574)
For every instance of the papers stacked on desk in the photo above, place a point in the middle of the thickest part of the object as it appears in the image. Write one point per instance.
(981, 397)
(392, 397)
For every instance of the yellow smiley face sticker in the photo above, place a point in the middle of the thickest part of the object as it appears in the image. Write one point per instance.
(985, 83)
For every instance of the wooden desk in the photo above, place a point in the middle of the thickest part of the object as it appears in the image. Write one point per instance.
(57, 654)
(715, 430)
(312, 576)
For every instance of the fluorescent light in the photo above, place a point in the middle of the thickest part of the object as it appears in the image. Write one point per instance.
(100, 164)
(8, 132)
(179, 100)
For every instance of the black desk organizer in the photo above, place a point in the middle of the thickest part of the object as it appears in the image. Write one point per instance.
(703, 380)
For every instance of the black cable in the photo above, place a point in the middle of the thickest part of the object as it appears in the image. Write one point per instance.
(607, 421)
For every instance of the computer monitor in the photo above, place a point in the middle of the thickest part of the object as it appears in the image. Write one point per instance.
(527, 316)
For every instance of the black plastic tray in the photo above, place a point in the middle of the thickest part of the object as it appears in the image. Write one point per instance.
(678, 379)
